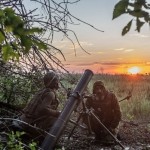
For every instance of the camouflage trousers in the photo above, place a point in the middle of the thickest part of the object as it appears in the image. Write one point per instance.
(42, 125)
(99, 131)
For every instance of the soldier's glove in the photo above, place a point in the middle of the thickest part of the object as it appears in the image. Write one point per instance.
(58, 113)
(91, 96)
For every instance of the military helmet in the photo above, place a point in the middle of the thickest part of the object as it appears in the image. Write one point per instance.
(98, 83)
(50, 78)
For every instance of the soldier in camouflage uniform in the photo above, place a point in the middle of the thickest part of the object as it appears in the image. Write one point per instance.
(41, 111)
(105, 105)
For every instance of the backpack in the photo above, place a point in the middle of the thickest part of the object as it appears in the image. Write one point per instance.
(31, 107)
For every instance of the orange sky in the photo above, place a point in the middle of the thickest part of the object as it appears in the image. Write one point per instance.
(112, 61)
(109, 51)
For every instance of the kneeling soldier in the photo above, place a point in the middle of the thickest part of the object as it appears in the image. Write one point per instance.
(107, 109)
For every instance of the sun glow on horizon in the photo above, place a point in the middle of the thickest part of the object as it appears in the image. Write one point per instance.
(134, 70)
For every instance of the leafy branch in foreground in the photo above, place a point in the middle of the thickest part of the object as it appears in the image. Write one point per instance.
(27, 34)
(138, 9)
(15, 38)
(14, 142)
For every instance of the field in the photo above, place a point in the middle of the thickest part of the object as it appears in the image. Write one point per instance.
(135, 124)
(138, 106)
(137, 86)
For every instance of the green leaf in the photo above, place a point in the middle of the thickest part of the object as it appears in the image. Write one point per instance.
(147, 18)
(127, 28)
(9, 11)
(40, 44)
(17, 22)
(19, 32)
(2, 16)
(139, 24)
(2, 13)
(33, 30)
(2, 38)
(8, 28)
(120, 8)
(14, 46)
(26, 42)
(6, 52)
(139, 13)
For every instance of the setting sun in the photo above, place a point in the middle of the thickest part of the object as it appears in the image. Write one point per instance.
(134, 70)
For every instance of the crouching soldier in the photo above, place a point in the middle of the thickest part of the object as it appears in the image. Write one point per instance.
(41, 112)
(106, 107)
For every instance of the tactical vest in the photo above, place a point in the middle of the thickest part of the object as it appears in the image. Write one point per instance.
(32, 106)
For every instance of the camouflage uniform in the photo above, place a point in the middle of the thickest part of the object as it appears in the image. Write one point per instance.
(38, 112)
(41, 111)
(107, 109)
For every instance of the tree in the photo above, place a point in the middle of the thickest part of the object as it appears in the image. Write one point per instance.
(138, 9)
(27, 35)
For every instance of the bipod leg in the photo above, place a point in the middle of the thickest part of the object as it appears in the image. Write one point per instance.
(89, 124)
(75, 126)
(116, 140)
(75, 123)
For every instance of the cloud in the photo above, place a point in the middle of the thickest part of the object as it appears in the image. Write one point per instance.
(147, 63)
(79, 45)
(140, 35)
(88, 64)
(71, 46)
(111, 64)
(96, 52)
(128, 50)
(100, 52)
(124, 50)
(119, 49)
(86, 44)
(102, 63)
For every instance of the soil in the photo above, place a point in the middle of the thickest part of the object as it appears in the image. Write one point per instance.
(133, 135)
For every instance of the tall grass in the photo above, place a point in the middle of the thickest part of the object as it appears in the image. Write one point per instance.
(138, 106)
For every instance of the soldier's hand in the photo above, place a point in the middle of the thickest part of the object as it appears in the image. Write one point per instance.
(90, 97)
(58, 113)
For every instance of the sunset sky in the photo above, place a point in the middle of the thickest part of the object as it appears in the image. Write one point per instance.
(109, 51)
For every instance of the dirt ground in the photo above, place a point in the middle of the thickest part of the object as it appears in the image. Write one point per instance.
(133, 135)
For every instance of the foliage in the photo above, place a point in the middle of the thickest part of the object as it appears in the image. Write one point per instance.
(138, 106)
(16, 38)
(15, 142)
(18, 88)
(27, 34)
(138, 9)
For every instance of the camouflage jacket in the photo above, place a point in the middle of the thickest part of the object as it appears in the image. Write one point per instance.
(44, 103)
(108, 109)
